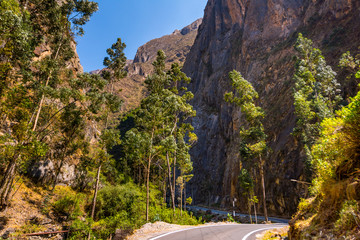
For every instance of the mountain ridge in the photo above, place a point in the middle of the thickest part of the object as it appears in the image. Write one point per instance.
(176, 47)
(256, 38)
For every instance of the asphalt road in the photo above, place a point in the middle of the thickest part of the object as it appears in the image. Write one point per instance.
(228, 232)
(260, 218)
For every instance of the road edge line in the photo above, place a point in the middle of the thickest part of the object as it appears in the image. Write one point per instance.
(185, 229)
(262, 229)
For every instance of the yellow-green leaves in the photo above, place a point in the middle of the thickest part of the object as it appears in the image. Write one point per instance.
(244, 96)
(10, 5)
(335, 151)
(316, 93)
(244, 91)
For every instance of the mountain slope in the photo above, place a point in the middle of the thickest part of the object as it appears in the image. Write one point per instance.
(256, 38)
(176, 47)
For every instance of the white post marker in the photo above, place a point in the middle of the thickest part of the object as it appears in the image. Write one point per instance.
(234, 200)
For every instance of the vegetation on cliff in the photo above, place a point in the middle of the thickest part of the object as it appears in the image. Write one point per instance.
(333, 208)
(253, 138)
(52, 115)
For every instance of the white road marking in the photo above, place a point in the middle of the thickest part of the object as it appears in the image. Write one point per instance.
(181, 230)
(262, 229)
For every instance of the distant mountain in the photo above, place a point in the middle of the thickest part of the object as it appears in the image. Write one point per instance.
(176, 47)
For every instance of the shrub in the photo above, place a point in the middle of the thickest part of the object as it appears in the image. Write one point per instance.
(114, 199)
(69, 203)
(349, 216)
(119, 207)
(80, 229)
(167, 215)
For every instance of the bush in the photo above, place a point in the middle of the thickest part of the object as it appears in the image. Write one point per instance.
(80, 229)
(115, 199)
(349, 216)
(123, 207)
(120, 207)
(159, 213)
(69, 204)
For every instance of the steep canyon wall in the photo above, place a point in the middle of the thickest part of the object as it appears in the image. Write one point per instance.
(256, 38)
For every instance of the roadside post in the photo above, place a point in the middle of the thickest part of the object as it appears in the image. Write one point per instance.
(234, 200)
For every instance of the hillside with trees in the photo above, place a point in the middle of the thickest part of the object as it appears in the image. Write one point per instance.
(262, 119)
(59, 126)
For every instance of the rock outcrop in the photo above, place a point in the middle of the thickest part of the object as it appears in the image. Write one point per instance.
(256, 38)
(176, 47)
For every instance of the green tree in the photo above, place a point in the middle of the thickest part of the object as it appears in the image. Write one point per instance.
(352, 64)
(115, 62)
(109, 137)
(253, 137)
(246, 183)
(316, 93)
(59, 33)
(160, 123)
(16, 101)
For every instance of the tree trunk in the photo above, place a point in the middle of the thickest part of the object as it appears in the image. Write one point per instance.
(185, 195)
(6, 185)
(174, 180)
(181, 191)
(164, 189)
(46, 84)
(148, 176)
(249, 207)
(263, 189)
(96, 191)
(255, 213)
(95, 196)
(171, 186)
(148, 189)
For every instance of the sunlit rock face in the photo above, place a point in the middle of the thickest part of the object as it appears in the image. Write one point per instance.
(176, 47)
(256, 37)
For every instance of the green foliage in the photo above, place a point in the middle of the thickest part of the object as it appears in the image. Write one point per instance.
(78, 13)
(316, 93)
(349, 216)
(253, 136)
(167, 215)
(16, 41)
(123, 206)
(160, 134)
(246, 182)
(230, 218)
(126, 198)
(334, 154)
(244, 91)
(80, 229)
(116, 61)
(29, 228)
(158, 81)
(69, 204)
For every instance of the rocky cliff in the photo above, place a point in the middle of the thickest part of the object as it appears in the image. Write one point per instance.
(256, 37)
(176, 47)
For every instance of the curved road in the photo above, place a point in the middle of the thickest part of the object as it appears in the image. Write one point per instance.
(261, 218)
(228, 232)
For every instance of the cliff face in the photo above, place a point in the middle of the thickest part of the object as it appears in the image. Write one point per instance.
(256, 38)
(176, 47)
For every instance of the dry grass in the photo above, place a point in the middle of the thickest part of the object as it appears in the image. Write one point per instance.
(274, 234)
(25, 209)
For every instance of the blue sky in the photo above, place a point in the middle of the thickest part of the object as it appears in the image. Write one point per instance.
(135, 22)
